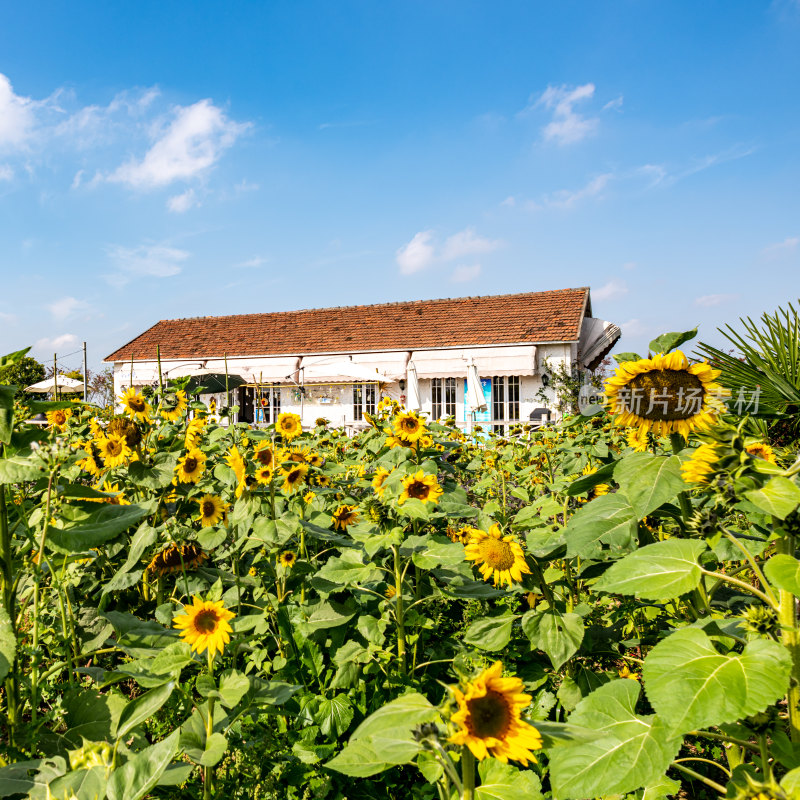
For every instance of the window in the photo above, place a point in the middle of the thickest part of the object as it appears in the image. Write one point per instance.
(364, 399)
(443, 398)
(505, 400)
(513, 397)
(268, 404)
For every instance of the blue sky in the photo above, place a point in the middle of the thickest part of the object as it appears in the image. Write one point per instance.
(176, 160)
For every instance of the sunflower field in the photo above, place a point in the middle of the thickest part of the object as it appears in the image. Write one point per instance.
(606, 608)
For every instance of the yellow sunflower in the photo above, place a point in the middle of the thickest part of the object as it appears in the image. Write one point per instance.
(637, 440)
(96, 428)
(665, 394)
(420, 487)
(234, 460)
(89, 462)
(114, 450)
(381, 474)
(344, 516)
(408, 426)
(288, 425)
(287, 559)
(113, 488)
(701, 465)
(294, 477)
(500, 557)
(177, 557)
(212, 509)
(58, 418)
(264, 475)
(173, 405)
(315, 459)
(308, 498)
(763, 451)
(597, 490)
(264, 455)
(136, 407)
(194, 432)
(192, 466)
(397, 441)
(205, 625)
(488, 718)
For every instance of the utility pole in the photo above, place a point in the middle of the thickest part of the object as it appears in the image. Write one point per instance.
(85, 377)
(55, 376)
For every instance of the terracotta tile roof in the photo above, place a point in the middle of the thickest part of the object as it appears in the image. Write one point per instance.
(497, 319)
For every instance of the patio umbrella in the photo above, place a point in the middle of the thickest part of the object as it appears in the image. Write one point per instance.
(475, 399)
(64, 384)
(210, 382)
(412, 403)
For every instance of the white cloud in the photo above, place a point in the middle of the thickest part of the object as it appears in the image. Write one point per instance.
(16, 117)
(252, 263)
(630, 265)
(183, 202)
(660, 175)
(614, 288)
(708, 300)
(57, 342)
(9, 319)
(613, 105)
(417, 254)
(633, 327)
(788, 245)
(510, 201)
(465, 273)
(155, 261)
(191, 144)
(66, 307)
(567, 125)
(466, 243)
(567, 198)
(6, 173)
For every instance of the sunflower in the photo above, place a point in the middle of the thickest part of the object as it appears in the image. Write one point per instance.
(397, 441)
(462, 534)
(420, 487)
(113, 488)
(288, 425)
(264, 455)
(763, 451)
(625, 672)
(194, 431)
(299, 455)
(212, 510)
(308, 498)
(665, 394)
(597, 490)
(488, 718)
(136, 407)
(177, 557)
(96, 428)
(637, 440)
(235, 461)
(315, 459)
(321, 422)
(89, 462)
(58, 418)
(173, 405)
(294, 477)
(344, 516)
(499, 556)
(264, 475)
(381, 474)
(114, 450)
(127, 428)
(408, 426)
(204, 625)
(192, 466)
(700, 467)
(287, 559)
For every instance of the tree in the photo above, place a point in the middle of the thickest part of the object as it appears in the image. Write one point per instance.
(23, 373)
(101, 387)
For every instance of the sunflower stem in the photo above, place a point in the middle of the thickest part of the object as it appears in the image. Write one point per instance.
(787, 617)
(8, 602)
(467, 773)
(399, 612)
(678, 443)
(208, 772)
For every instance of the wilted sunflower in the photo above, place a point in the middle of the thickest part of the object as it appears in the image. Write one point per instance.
(234, 460)
(264, 475)
(114, 450)
(763, 451)
(212, 510)
(321, 422)
(288, 425)
(345, 515)
(192, 466)
(381, 474)
(287, 559)
(499, 557)
(204, 625)
(126, 428)
(488, 718)
(58, 418)
(665, 394)
(173, 404)
(408, 426)
(177, 557)
(700, 467)
(294, 477)
(264, 455)
(420, 487)
(136, 407)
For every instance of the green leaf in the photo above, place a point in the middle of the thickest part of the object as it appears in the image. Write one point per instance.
(137, 776)
(783, 572)
(360, 759)
(233, 686)
(79, 784)
(587, 482)
(791, 783)
(621, 358)
(691, 685)
(490, 633)
(659, 571)
(558, 635)
(505, 782)
(404, 712)
(103, 525)
(606, 520)
(6, 412)
(349, 569)
(142, 708)
(18, 469)
(157, 476)
(627, 752)
(669, 341)
(91, 715)
(649, 481)
(328, 615)
(12, 358)
(334, 715)
(778, 497)
(144, 537)
(438, 553)
(8, 644)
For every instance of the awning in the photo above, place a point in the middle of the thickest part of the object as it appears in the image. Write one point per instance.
(339, 371)
(598, 337)
(412, 401)
(275, 370)
(490, 361)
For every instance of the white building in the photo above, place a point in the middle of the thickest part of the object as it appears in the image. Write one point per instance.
(338, 362)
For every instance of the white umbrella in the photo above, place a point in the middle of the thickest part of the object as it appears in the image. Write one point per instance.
(412, 403)
(475, 399)
(64, 383)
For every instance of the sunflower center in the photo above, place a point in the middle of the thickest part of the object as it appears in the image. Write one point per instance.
(190, 465)
(209, 508)
(497, 553)
(206, 621)
(114, 448)
(137, 404)
(489, 716)
(264, 457)
(419, 490)
(668, 394)
(409, 426)
(294, 476)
